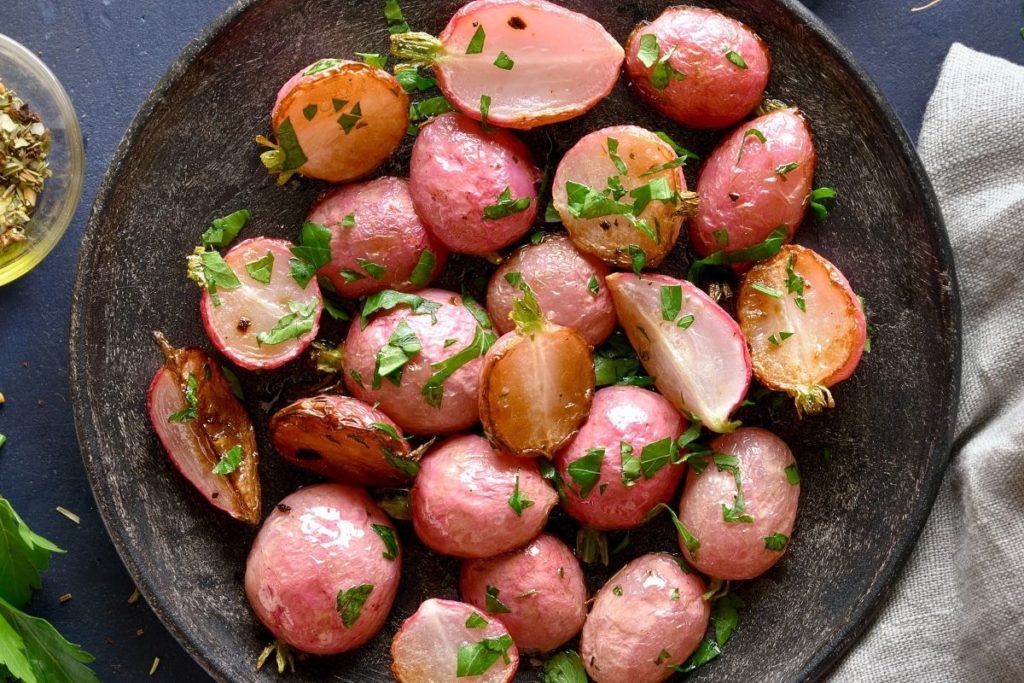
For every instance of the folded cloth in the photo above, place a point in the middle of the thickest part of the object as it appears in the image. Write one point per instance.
(957, 611)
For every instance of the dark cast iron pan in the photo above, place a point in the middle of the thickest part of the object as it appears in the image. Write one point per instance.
(189, 156)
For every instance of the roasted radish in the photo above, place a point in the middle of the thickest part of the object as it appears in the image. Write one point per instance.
(693, 349)
(472, 500)
(621, 194)
(518, 63)
(377, 240)
(758, 179)
(536, 383)
(624, 461)
(343, 439)
(254, 311)
(324, 569)
(646, 619)
(698, 66)
(205, 430)
(538, 592)
(739, 506)
(569, 286)
(805, 326)
(476, 190)
(335, 120)
(418, 356)
(450, 641)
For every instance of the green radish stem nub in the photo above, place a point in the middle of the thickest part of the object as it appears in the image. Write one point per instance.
(812, 400)
(416, 47)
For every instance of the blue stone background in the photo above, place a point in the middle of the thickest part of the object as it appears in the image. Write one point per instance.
(109, 54)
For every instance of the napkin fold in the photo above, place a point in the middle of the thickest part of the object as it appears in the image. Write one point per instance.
(957, 611)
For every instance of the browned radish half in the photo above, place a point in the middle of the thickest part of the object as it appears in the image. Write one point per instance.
(688, 343)
(621, 194)
(536, 384)
(518, 63)
(805, 326)
(336, 120)
(449, 641)
(344, 439)
(266, 318)
(205, 430)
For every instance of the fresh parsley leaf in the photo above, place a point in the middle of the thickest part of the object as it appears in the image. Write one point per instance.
(664, 73)
(765, 289)
(476, 43)
(401, 346)
(638, 258)
(403, 464)
(586, 471)
(517, 501)
(475, 659)
(526, 313)
(387, 535)
(725, 616)
(615, 362)
(320, 65)
(613, 154)
(485, 108)
(32, 650)
(736, 59)
(656, 189)
(758, 252)
(412, 80)
(476, 310)
(290, 151)
(208, 269)
(389, 298)
(792, 474)
(395, 18)
(294, 324)
(374, 270)
(679, 149)
(630, 465)
(785, 169)
(223, 231)
(685, 321)
(229, 462)
(749, 132)
(593, 286)
(818, 197)
(691, 542)
(691, 434)
(350, 119)
(476, 621)
(492, 603)
(350, 603)
(387, 429)
(776, 542)
(585, 202)
(506, 206)
(671, 301)
(428, 108)
(373, 59)
(25, 554)
(424, 269)
(312, 252)
(657, 454)
(549, 473)
(649, 50)
(191, 401)
(565, 667)
(261, 269)
(779, 337)
(503, 61)
(433, 390)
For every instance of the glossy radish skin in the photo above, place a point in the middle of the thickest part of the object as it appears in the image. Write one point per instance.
(382, 229)
(751, 197)
(737, 550)
(405, 403)
(317, 542)
(715, 92)
(620, 414)
(256, 307)
(609, 237)
(703, 369)
(460, 502)
(343, 439)
(827, 339)
(319, 103)
(196, 445)
(649, 607)
(457, 170)
(552, 79)
(541, 585)
(563, 280)
(426, 647)
(535, 389)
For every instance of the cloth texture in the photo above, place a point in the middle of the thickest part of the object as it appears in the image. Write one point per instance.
(957, 611)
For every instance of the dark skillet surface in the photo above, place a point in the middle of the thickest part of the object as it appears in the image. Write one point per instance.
(189, 157)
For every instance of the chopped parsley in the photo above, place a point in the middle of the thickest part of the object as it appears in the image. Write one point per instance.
(395, 18)
(223, 231)
(389, 298)
(433, 390)
(657, 454)
(650, 56)
(792, 474)
(613, 154)
(750, 132)
(795, 283)
(229, 462)
(630, 465)
(387, 535)
(671, 301)
(517, 501)
(209, 270)
(615, 362)
(637, 257)
(758, 252)
(294, 324)
(476, 43)
(492, 603)
(818, 197)
(565, 667)
(776, 541)
(593, 286)
(503, 61)
(350, 119)
(685, 321)
(191, 402)
(387, 429)
(765, 289)
(391, 358)
(506, 206)
(785, 169)
(691, 542)
(374, 270)
(485, 108)
(312, 252)
(261, 269)
(350, 603)
(586, 471)
(476, 621)
(779, 337)
(373, 59)
(736, 58)
(475, 659)
(424, 268)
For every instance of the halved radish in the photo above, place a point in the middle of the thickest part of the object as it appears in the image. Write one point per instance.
(688, 343)
(536, 384)
(622, 196)
(518, 63)
(335, 120)
(267, 318)
(805, 326)
(205, 430)
(344, 439)
(447, 641)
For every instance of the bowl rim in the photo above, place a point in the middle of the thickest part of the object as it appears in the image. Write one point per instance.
(35, 254)
(868, 605)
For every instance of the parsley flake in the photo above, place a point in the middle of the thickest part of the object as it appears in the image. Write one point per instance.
(476, 621)
(230, 461)
(294, 324)
(350, 603)
(492, 603)
(630, 465)
(387, 535)
(503, 61)
(776, 542)
(223, 231)
(424, 269)
(476, 43)
(261, 269)
(736, 58)
(506, 206)
(475, 659)
(191, 402)
(517, 501)
(401, 346)
(586, 470)
(671, 301)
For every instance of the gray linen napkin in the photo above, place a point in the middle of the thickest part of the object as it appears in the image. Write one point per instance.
(957, 611)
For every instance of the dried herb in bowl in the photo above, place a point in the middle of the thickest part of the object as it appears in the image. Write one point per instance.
(24, 146)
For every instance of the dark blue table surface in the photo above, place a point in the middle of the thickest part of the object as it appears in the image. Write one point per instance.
(109, 54)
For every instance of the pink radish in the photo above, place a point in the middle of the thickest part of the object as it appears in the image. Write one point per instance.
(805, 326)
(205, 430)
(518, 63)
(266, 319)
(758, 179)
(450, 641)
(692, 348)
(335, 120)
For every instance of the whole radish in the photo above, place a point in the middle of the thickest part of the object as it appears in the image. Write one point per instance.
(804, 324)
(512, 63)
(475, 190)
(698, 66)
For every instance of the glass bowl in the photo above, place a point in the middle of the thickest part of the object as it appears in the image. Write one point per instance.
(23, 72)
